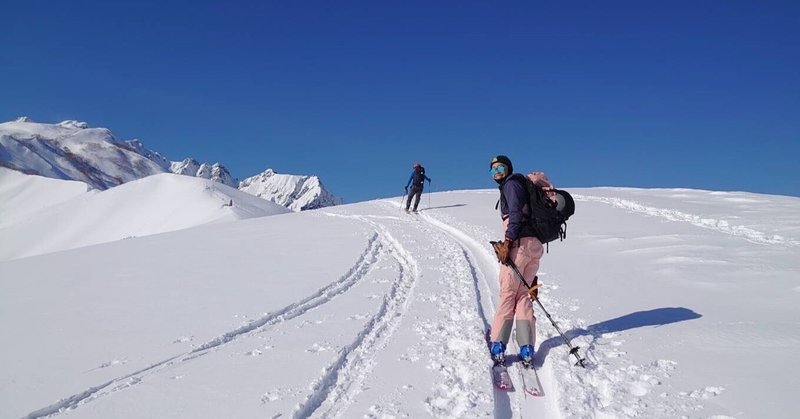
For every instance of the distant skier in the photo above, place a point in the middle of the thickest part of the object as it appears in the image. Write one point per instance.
(417, 183)
(521, 246)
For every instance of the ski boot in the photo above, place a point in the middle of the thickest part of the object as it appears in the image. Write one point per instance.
(498, 352)
(526, 355)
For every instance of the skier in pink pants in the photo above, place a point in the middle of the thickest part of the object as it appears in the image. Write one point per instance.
(521, 246)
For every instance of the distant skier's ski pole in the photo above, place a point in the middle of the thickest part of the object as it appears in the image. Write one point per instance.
(429, 194)
(572, 349)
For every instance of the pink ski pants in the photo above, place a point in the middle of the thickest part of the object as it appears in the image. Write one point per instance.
(514, 303)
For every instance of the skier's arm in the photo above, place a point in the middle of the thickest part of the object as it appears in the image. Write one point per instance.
(514, 193)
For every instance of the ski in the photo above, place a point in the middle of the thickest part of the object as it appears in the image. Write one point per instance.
(530, 380)
(501, 379)
(527, 374)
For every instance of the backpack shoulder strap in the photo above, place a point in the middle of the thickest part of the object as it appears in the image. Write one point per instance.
(517, 177)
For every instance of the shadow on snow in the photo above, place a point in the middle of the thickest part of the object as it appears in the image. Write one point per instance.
(656, 317)
(444, 206)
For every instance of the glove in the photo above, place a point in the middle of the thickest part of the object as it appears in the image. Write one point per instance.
(503, 251)
(534, 291)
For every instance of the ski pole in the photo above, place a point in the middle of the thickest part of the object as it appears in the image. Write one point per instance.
(429, 194)
(573, 350)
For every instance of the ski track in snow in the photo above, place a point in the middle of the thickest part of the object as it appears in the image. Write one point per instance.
(721, 226)
(342, 381)
(457, 331)
(358, 271)
(506, 405)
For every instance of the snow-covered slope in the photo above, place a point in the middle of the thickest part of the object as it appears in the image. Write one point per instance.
(683, 302)
(295, 192)
(22, 195)
(41, 215)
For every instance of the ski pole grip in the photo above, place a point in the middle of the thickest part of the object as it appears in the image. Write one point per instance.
(532, 291)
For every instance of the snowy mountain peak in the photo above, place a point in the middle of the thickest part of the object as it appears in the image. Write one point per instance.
(72, 124)
(294, 192)
(217, 173)
(23, 119)
(188, 166)
(139, 148)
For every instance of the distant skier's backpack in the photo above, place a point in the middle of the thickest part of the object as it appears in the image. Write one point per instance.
(419, 176)
(548, 208)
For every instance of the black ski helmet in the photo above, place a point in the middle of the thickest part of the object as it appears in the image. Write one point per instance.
(504, 160)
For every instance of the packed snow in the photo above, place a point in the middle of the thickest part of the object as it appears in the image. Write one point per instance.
(684, 303)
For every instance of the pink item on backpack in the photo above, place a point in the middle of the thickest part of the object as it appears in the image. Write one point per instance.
(541, 180)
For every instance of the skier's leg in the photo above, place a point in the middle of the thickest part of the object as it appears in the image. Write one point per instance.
(504, 316)
(417, 196)
(527, 259)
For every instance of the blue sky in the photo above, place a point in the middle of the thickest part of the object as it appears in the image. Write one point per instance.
(643, 94)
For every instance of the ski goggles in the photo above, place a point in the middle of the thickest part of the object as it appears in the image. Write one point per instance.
(499, 169)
